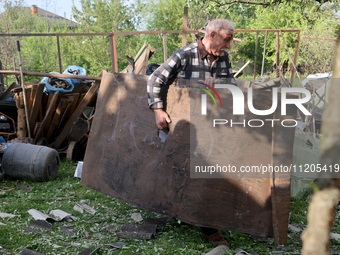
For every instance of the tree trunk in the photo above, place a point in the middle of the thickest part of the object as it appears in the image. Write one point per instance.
(324, 202)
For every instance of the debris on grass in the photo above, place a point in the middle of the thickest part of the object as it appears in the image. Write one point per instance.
(82, 206)
(38, 226)
(7, 215)
(136, 217)
(25, 251)
(137, 231)
(219, 250)
(59, 215)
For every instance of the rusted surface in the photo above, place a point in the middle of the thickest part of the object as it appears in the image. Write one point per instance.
(126, 160)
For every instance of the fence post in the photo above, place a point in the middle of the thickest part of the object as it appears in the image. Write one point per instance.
(295, 57)
(165, 49)
(185, 27)
(59, 56)
(114, 60)
(277, 55)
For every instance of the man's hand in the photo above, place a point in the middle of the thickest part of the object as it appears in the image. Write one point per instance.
(162, 118)
(210, 81)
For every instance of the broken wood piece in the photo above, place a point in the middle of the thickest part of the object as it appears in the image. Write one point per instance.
(63, 103)
(91, 94)
(28, 92)
(142, 62)
(36, 105)
(48, 116)
(74, 98)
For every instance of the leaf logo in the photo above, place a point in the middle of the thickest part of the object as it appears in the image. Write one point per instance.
(204, 98)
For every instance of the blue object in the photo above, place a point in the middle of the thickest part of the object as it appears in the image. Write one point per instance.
(9, 100)
(70, 70)
(75, 70)
(50, 89)
(2, 140)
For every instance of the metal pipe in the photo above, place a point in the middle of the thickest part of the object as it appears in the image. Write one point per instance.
(115, 59)
(146, 32)
(185, 27)
(112, 54)
(295, 57)
(277, 55)
(264, 53)
(23, 91)
(59, 56)
(256, 46)
(165, 50)
(290, 57)
(56, 75)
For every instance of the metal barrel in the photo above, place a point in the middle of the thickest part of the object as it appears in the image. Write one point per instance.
(27, 161)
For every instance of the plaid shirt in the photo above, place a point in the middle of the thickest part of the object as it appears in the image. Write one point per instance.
(189, 62)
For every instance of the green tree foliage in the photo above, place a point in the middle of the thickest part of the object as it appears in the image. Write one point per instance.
(163, 15)
(290, 15)
(313, 18)
(104, 16)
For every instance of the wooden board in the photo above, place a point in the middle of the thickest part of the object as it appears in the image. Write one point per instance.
(126, 159)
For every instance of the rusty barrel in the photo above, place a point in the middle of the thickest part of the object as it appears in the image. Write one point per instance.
(27, 161)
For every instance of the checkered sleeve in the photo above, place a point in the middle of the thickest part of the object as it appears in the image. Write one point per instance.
(164, 75)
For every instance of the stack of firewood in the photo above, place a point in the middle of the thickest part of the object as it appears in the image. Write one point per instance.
(56, 120)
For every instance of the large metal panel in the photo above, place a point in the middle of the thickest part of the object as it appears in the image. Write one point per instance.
(126, 160)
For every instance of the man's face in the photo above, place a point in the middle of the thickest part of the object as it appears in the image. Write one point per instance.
(220, 42)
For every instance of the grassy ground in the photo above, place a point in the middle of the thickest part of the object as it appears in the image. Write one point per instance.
(94, 231)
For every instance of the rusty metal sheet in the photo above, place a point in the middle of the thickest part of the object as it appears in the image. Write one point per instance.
(126, 159)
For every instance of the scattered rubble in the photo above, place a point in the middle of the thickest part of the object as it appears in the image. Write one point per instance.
(137, 217)
(82, 206)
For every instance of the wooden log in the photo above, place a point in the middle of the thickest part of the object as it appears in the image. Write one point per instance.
(91, 93)
(21, 119)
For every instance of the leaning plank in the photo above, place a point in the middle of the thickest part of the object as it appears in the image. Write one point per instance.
(28, 92)
(37, 99)
(74, 98)
(57, 117)
(91, 93)
(48, 116)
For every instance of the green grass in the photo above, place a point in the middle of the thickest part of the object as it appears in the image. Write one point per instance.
(63, 192)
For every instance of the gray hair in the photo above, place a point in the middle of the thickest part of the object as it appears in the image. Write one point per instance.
(219, 24)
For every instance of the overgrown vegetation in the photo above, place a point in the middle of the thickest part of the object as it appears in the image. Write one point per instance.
(94, 231)
(313, 18)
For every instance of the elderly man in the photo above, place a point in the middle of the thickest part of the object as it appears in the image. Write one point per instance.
(206, 60)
